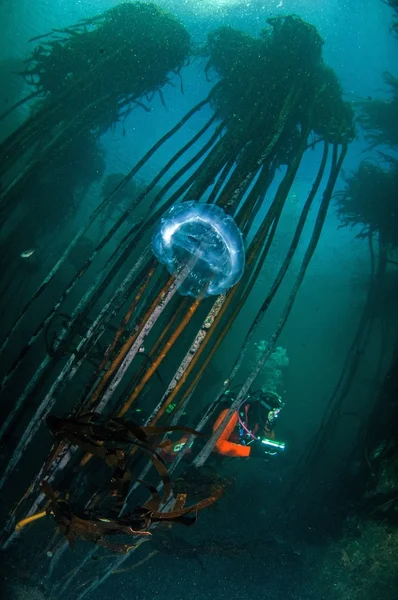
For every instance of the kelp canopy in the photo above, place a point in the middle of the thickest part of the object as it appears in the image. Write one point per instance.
(370, 200)
(379, 118)
(86, 78)
(394, 6)
(370, 195)
(258, 75)
(116, 58)
(271, 96)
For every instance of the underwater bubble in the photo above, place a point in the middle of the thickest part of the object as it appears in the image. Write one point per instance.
(206, 235)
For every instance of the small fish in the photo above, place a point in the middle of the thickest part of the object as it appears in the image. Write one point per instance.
(27, 253)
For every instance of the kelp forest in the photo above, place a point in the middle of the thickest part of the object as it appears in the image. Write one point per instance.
(110, 329)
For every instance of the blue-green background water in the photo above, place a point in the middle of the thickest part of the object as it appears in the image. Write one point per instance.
(359, 47)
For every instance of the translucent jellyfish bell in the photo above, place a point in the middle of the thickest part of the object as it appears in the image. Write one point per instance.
(206, 236)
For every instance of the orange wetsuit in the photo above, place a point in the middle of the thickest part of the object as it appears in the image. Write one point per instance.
(224, 445)
(228, 448)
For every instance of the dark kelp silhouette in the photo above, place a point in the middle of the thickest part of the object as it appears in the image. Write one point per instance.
(111, 439)
(89, 525)
(92, 527)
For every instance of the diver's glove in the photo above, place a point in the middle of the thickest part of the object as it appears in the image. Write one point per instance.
(258, 450)
(267, 447)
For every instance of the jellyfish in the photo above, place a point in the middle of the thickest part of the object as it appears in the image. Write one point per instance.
(207, 237)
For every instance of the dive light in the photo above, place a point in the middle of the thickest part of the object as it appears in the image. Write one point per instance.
(273, 444)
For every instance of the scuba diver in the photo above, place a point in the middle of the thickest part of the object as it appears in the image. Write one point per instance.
(249, 432)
